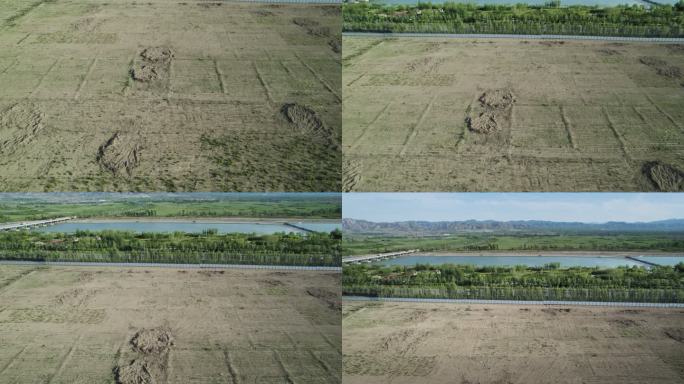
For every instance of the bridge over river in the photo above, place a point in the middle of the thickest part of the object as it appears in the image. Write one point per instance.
(33, 224)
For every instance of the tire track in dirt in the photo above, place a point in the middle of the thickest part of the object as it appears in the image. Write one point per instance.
(65, 360)
(12, 360)
(9, 283)
(219, 76)
(415, 127)
(235, 377)
(366, 129)
(320, 79)
(43, 76)
(618, 136)
(568, 127)
(263, 83)
(286, 372)
(667, 115)
(85, 78)
(326, 366)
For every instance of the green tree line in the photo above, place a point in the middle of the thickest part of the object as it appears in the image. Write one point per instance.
(450, 281)
(467, 18)
(312, 249)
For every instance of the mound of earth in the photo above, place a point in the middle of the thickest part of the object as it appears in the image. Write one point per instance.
(665, 177)
(483, 123)
(498, 99)
(153, 340)
(332, 299)
(157, 54)
(19, 124)
(144, 73)
(335, 45)
(312, 27)
(303, 118)
(652, 61)
(351, 174)
(137, 372)
(676, 334)
(661, 67)
(120, 152)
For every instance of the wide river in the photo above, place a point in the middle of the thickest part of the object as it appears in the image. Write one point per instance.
(532, 261)
(187, 226)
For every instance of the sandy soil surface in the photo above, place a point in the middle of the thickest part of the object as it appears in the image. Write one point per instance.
(99, 325)
(163, 95)
(441, 114)
(467, 344)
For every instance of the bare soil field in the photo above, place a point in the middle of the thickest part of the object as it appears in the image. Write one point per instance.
(163, 95)
(444, 114)
(92, 325)
(468, 344)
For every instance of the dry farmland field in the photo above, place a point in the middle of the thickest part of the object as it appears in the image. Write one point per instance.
(430, 113)
(169, 95)
(87, 325)
(504, 344)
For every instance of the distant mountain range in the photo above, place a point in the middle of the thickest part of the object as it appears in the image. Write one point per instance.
(432, 228)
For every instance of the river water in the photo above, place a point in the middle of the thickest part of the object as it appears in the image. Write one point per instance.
(531, 261)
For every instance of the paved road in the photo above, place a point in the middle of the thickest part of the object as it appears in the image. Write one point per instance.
(516, 302)
(666, 40)
(164, 265)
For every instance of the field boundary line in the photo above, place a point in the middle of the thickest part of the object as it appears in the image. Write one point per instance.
(317, 76)
(568, 127)
(65, 360)
(673, 40)
(85, 78)
(515, 302)
(12, 360)
(42, 78)
(414, 128)
(229, 364)
(357, 141)
(263, 83)
(219, 76)
(617, 134)
(166, 265)
(657, 107)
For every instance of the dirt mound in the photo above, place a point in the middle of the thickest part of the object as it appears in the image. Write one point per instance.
(332, 299)
(661, 67)
(664, 177)
(312, 27)
(137, 372)
(555, 311)
(676, 334)
(551, 43)
(335, 45)
(120, 152)
(303, 118)
(490, 115)
(498, 99)
(19, 124)
(152, 341)
(609, 51)
(144, 73)
(157, 54)
(155, 64)
(351, 174)
(484, 123)
(263, 13)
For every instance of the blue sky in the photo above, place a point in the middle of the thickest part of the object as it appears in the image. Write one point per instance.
(584, 207)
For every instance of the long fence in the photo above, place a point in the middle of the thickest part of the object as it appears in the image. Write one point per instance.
(169, 265)
(515, 302)
(666, 40)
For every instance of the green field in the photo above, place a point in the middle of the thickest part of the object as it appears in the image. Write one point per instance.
(670, 242)
(626, 284)
(329, 207)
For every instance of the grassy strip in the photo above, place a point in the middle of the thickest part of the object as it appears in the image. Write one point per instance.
(449, 281)
(313, 249)
(668, 242)
(329, 208)
(463, 18)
